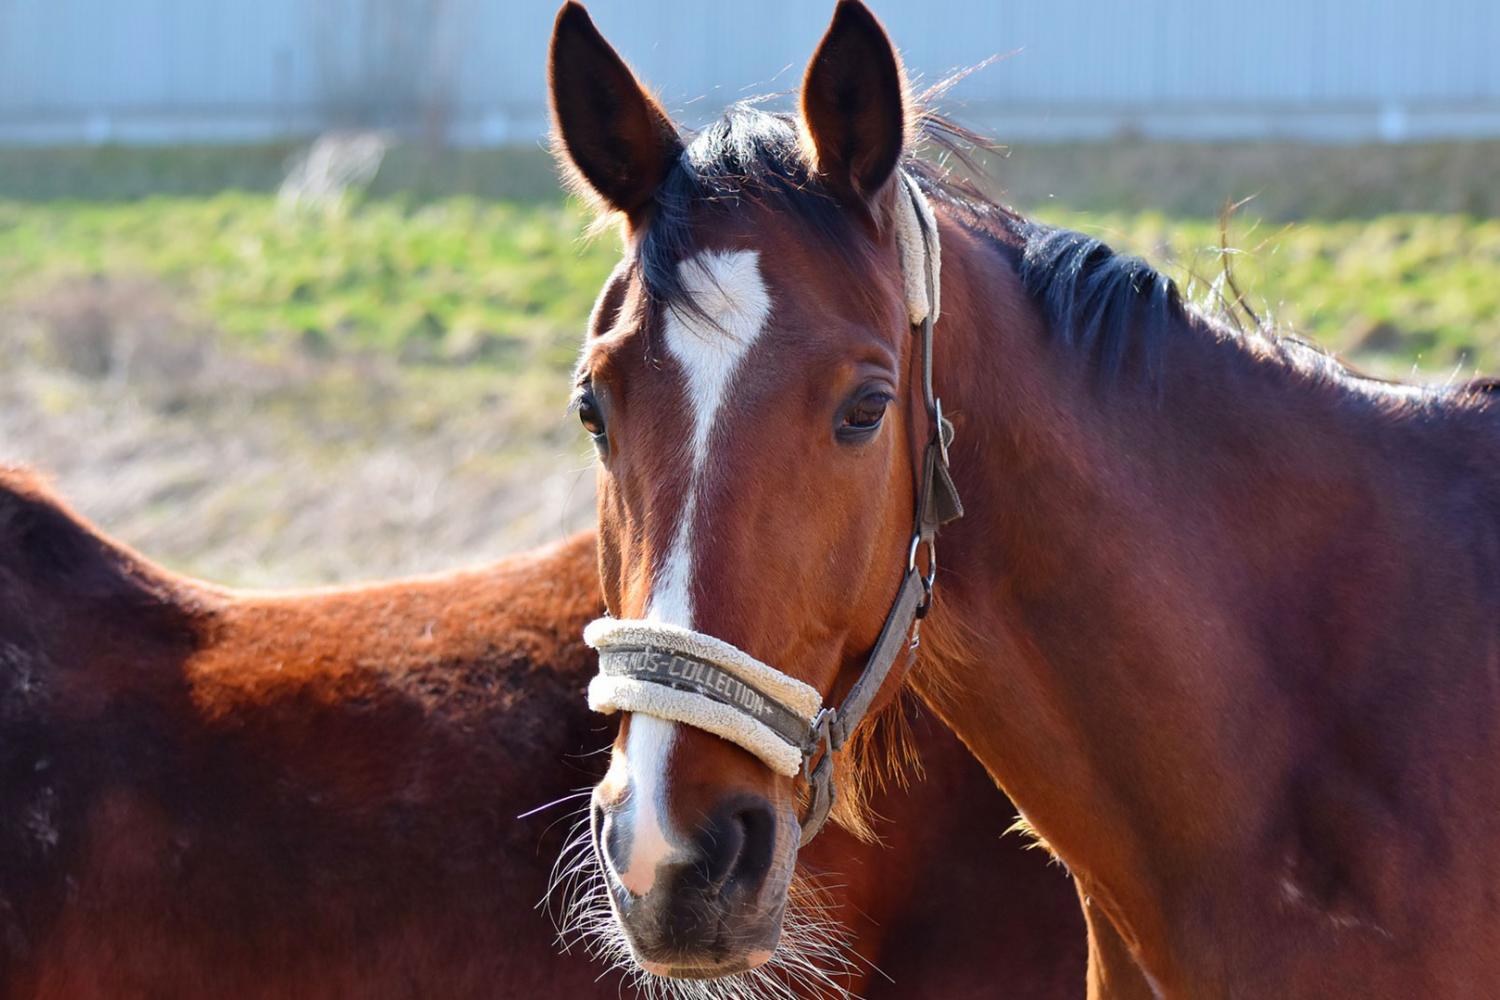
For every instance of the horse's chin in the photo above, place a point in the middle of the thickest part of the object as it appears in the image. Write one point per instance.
(751, 960)
(714, 961)
(756, 940)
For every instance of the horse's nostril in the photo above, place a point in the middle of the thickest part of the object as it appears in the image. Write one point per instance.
(759, 824)
(723, 840)
(737, 844)
(612, 842)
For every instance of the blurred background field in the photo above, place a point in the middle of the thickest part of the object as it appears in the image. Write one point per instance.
(271, 386)
(289, 293)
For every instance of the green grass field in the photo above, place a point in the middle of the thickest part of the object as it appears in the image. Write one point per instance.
(451, 280)
(508, 284)
(272, 395)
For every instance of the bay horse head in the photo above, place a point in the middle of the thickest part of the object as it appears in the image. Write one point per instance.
(771, 470)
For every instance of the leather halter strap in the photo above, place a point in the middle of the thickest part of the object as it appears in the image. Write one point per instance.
(937, 504)
(702, 681)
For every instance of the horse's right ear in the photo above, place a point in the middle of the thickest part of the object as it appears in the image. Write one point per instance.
(613, 136)
(854, 105)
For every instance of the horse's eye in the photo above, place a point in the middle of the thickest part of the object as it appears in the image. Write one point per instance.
(590, 415)
(865, 414)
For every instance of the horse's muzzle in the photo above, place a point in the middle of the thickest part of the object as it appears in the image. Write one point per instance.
(715, 907)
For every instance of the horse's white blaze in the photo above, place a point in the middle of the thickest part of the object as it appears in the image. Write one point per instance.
(734, 304)
(729, 291)
(647, 747)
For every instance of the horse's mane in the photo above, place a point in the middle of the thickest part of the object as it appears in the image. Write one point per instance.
(1112, 311)
(1103, 304)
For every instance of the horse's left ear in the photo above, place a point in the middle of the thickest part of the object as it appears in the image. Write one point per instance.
(610, 132)
(854, 105)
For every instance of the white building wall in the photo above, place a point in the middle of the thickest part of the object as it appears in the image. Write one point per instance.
(472, 70)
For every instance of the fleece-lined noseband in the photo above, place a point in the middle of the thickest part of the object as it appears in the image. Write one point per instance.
(680, 675)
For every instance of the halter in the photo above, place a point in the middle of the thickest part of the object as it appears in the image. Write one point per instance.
(680, 675)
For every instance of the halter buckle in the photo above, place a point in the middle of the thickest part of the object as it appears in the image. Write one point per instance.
(821, 733)
(819, 777)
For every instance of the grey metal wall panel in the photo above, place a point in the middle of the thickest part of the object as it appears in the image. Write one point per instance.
(185, 70)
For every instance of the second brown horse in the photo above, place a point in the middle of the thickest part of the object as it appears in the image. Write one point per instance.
(315, 794)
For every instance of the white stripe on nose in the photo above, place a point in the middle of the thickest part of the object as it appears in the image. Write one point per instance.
(647, 748)
(709, 344)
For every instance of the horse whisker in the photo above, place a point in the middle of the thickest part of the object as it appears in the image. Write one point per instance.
(555, 802)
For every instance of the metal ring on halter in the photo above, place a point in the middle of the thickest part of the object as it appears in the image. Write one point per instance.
(821, 733)
(930, 577)
(820, 791)
(937, 424)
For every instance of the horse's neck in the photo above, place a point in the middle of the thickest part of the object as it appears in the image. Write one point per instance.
(1086, 643)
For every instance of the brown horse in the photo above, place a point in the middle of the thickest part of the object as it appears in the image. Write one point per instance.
(1222, 616)
(207, 793)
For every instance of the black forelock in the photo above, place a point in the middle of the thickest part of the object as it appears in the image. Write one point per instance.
(748, 157)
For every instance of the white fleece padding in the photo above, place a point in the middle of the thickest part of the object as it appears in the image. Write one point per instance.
(609, 694)
(908, 225)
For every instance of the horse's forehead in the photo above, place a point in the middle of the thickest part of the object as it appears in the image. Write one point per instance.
(727, 310)
(722, 308)
(750, 311)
